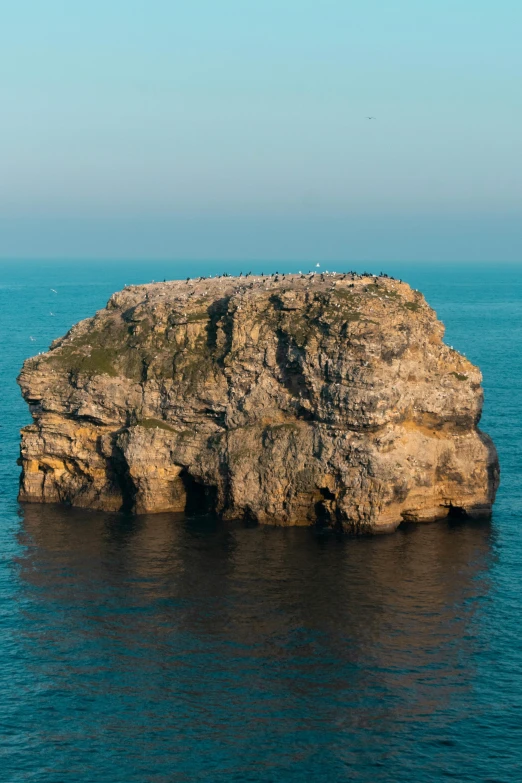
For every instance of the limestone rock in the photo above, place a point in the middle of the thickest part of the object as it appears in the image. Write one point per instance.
(287, 400)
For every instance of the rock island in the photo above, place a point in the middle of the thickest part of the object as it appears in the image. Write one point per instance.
(288, 399)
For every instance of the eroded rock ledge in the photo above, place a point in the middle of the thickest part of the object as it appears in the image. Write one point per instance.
(288, 400)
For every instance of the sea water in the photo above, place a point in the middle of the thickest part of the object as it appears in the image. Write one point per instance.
(158, 649)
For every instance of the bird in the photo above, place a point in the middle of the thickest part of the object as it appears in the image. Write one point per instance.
(318, 264)
(371, 118)
(54, 290)
(31, 338)
(51, 313)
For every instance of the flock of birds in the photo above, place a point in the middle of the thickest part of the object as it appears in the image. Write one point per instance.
(352, 274)
(225, 274)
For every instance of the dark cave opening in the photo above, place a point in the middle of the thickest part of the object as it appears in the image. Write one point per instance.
(456, 512)
(201, 499)
(323, 508)
(122, 479)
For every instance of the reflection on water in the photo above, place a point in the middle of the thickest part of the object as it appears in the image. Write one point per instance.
(276, 653)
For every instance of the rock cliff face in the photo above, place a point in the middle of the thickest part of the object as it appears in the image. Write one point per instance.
(285, 400)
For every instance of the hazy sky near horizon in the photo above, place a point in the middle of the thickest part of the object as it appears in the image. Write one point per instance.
(229, 128)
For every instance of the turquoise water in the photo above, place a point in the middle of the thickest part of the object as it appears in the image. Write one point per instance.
(163, 649)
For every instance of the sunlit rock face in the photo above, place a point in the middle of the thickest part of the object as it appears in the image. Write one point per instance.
(287, 400)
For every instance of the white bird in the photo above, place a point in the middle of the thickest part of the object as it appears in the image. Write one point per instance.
(318, 264)
(31, 339)
(51, 313)
(54, 290)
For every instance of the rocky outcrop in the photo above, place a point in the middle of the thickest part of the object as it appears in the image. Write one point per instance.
(287, 400)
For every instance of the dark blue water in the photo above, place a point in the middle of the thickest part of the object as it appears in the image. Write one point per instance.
(158, 649)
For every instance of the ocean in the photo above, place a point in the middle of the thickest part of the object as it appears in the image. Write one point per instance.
(158, 649)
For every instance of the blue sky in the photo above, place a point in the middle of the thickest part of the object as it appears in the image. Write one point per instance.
(225, 129)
